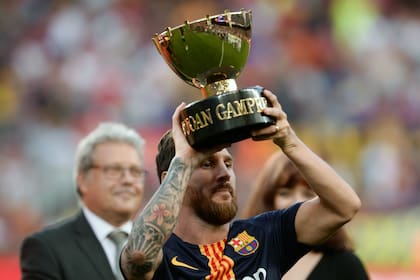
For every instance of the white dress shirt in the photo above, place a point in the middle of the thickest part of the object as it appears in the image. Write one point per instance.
(101, 228)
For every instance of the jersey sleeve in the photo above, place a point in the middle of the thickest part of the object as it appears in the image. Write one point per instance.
(279, 226)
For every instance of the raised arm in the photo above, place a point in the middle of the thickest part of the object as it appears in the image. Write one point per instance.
(156, 222)
(336, 203)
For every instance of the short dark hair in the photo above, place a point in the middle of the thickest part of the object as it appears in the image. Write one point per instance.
(166, 152)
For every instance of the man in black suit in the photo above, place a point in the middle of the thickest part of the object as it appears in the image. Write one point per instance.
(109, 175)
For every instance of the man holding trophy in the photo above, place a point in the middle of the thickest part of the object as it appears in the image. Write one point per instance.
(186, 230)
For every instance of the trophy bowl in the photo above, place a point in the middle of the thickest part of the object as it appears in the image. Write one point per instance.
(210, 54)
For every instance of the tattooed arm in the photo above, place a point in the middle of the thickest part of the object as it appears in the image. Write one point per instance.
(155, 223)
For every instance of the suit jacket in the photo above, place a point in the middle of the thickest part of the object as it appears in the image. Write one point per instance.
(68, 250)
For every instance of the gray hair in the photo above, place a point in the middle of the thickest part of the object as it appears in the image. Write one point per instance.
(105, 133)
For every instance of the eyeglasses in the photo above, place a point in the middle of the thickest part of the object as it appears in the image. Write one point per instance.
(117, 171)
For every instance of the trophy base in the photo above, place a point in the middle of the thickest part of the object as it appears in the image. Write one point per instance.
(225, 118)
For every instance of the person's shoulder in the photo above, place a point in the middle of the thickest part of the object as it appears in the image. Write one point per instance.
(57, 228)
(58, 237)
(346, 257)
(274, 214)
(260, 219)
(349, 263)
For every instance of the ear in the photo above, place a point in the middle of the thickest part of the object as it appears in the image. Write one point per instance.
(81, 181)
(163, 175)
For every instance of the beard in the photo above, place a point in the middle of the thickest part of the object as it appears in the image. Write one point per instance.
(215, 213)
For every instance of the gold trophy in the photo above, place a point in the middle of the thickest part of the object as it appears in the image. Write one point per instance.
(209, 54)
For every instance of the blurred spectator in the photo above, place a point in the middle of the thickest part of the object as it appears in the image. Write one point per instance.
(279, 185)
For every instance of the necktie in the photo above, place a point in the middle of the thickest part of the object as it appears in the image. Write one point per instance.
(118, 238)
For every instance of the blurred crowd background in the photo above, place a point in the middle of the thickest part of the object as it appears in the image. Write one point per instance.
(347, 72)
